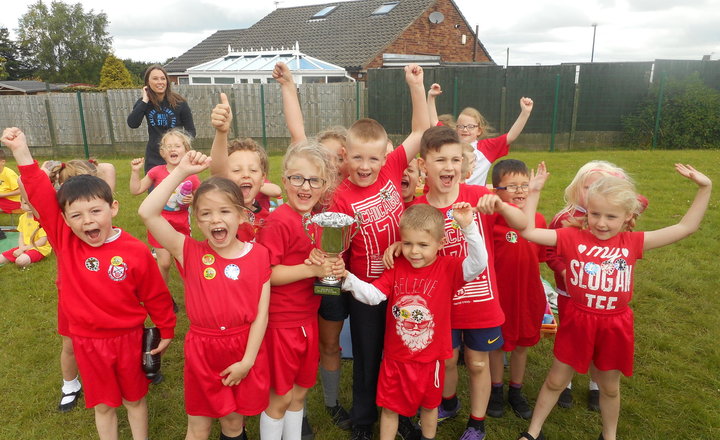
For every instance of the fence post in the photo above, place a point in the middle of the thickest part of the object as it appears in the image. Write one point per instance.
(51, 124)
(233, 109)
(455, 97)
(555, 112)
(503, 108)
(82, 124)
(262, 111)
(573, 120)
(357, 100)
(658, 115)
(111, 131)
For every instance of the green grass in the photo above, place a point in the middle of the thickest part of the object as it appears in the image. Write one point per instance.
(674, 394)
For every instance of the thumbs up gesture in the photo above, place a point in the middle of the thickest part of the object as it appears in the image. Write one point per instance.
(221, 115)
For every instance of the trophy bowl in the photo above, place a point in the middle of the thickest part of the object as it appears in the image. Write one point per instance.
(331, 232)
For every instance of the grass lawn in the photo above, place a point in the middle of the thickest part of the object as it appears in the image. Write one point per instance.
(675, 392)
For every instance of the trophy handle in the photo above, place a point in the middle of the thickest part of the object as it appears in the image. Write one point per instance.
(307, 221)
(358, 222)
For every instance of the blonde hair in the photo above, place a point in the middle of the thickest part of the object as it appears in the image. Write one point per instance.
(424, 218)
(574, 190)
(249, 144)
(319, 156)
(486, 130)
(337, 132)
(366, 130)
(618, 192)
(62, 171)
(181, 134)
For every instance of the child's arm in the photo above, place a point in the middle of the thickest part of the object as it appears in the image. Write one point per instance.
(220, 119)
(545, 237)
(15, 140)
(492, 203)
(291, 105)
(237, 371)
(150, 210)
(10, 193)
(477, 257)
(282, 274)
(434, 92)
(420, 121)
(138, 185)
(271, 190)
(364, 292)
(106, 171)
(692, 218)
(526, 106)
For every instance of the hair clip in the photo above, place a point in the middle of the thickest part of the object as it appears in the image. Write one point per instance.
(62, 165)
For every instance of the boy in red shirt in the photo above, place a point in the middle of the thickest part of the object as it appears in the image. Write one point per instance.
(110, 284)
(419, 288)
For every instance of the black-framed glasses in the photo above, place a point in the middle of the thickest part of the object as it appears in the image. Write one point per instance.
(466, 127)
(298, 181)
(514, 188)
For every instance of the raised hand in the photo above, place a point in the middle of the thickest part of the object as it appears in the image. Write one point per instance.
(221, 115)
(145, 96)
(462, 213)
(282, 74)
(193, 162)
(14, 139)
(526, 105)
(137, 163)
(435, 90)
(689, 172)
(538, 178)
(414, 75)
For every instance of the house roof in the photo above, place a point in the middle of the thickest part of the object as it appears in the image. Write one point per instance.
(349, 36)
(29, 86)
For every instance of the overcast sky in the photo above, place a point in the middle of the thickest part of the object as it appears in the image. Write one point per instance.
(536, 32)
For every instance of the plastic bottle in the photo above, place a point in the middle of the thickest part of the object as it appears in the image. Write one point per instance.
(185, 190)
(150, 362)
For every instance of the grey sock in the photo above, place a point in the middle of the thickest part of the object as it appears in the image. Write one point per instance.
(331, 384)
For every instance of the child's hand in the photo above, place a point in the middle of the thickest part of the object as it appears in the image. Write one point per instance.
(435, 90)
(186, 200)
(526, 105)
(281, 73)
(691, 173)
(235, 373)
(391, 253)
(193, 162)
(14, 139)
(137, 163)
(462, 213)
(489, 204)
(316, 257)
(538, 178)
(162, 346)
(414, 75)
(338, 267)
(17, 252)
(221, 115)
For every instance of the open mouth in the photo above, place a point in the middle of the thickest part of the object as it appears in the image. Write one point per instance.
(447, 180)
(364, 175)
(405, 183)
(219, 234)
(246, 189)
(304, 197)
(92, 234)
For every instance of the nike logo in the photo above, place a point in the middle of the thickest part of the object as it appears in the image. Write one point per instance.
(491, 341)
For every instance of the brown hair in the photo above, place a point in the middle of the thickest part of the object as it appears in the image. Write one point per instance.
(172, 98)
(249, 144)
(227, 186)
(447, 119)
(337, 132)
(426, 218)
(508, 166)
(436, 137)
(83, 187)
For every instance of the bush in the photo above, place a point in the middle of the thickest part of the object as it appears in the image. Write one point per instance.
(690, 116)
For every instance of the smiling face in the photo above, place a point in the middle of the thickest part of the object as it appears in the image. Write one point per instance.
(218, 219)
(303, 198)
(442, 167)
(157, 81)
(172, 150)
(517, 197)
(91, 220)
(410, 179)
(468, 128)
(364, 160)
(606, 220)
(247, 173)
(419, 247)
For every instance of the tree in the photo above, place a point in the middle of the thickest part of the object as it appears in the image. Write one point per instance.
(3, 71)
(67, 44)
(137, 70)
(16, 66)
(114, 74)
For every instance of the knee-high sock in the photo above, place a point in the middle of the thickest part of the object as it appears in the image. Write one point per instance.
(292, 429)
(271, 429)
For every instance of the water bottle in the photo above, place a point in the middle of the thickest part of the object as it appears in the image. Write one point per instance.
(185, 190)
(150, 362)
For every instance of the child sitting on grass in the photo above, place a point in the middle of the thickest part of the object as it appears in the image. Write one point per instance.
(32, 245)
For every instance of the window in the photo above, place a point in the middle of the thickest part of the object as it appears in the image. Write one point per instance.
(385, 8)
(324, 12)
(224, 80)
(183, 80)
(201, 80)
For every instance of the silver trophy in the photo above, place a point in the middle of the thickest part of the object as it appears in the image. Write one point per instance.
(331, 232)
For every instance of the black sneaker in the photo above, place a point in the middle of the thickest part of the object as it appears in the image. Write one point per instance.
(519, 403)
(339, 416)
(307, 432)
(407, 429)
(496, 405)
(361, 432)
(566, 399)
(594, 400)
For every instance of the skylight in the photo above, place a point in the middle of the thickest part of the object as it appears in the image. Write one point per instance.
(385, 8)
(324, 12)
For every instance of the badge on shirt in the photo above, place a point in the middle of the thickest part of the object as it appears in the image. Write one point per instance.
(118, 272)
(232, 271)
(511, 237)
(92, 264)
(591, 268)
(209, 273)
(116, 261)
(208, 259)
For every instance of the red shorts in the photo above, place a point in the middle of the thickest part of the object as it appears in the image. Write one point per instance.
(8, 206)
(294, 356)
(111, 368)
(180, 221)
(34, 255)
(405, 386)
(606, 339)
(207, 354)
(509, 345)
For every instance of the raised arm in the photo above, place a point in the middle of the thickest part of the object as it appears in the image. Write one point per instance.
(492, 203)
(15, 140)
(545, 237)
(434, 91)
(270, 189)
(220, 119)
(291, 104)
(692, 218)
(138, 185)
(526, 106)
(420, 122)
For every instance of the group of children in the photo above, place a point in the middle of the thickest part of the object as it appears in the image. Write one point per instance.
(424, 276)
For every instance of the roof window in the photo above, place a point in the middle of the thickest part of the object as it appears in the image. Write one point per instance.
(324, 12)
(385, 8)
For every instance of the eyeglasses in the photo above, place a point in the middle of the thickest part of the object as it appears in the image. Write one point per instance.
(314, 182)
(514, 188)
(466, 127)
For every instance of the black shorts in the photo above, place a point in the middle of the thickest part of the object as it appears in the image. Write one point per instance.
(335, 308)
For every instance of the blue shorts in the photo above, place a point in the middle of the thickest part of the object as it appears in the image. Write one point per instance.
(478, 339)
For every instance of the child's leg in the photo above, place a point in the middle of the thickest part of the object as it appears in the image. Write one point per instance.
(555, 382)
(3, 260)
(68, 364)
(388, 424)
(292, 427)
(106, 422)
(609, 384)
(451, 375)
(330, 359)
(23, 260)
(198, 428)
(137, 413)
(272, 420)
(232, 425)
(477, 363)
(518, 363)
(428, 422)
(497, 366)
(164, 260)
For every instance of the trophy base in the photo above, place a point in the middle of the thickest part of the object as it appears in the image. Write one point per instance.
(321, 288)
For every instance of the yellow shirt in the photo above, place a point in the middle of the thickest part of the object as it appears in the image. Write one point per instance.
(9, 183)
(26, 226)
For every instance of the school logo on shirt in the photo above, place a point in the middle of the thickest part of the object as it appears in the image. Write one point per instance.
(511, 237)
(414, 322)
(92, 264)
(117, 272)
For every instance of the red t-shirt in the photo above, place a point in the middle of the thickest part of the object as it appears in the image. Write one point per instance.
(223, 293)
(247, 231)
(487, 151)
(599, 273)
(293, 304)
(476, 305)
(417, 323)
(380, 206)
(174, 208)
(106, 290)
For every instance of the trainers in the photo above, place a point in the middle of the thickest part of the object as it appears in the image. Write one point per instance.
(408, 430)
(444, 414)
(361, 432)
(594, 400)
(307, 432)
(566, 399)
(339, 416)
(519, 403)
(496, 405)
(473, 434)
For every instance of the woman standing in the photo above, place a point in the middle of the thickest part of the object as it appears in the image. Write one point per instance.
(163, 109)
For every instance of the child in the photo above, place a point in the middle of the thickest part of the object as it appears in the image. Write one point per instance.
(32, 246)
(59, 172)
(597, 329)
(173, 146)
(9, 190)
(227, 291)
(418, 289)
(373, 191)
(109, 286)
(409, 182)
(292, 334)
(522, 296)
(476, 312)
(469, 160)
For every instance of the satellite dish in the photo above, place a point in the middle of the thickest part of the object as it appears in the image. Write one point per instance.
(436, 17)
